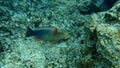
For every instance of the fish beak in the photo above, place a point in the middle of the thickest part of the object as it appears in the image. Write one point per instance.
(65, 35)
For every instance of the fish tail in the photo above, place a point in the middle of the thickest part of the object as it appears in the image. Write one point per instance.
(29, 32)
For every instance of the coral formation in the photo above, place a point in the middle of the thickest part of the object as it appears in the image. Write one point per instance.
(93, 34)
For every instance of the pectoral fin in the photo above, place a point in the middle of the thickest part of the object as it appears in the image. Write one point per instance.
(37, 39)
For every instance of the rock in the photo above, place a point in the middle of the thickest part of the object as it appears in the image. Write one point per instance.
(93, 34)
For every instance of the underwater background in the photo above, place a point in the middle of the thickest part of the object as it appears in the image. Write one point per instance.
(92, 27)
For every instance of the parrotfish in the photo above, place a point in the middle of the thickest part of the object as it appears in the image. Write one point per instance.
(47, 34)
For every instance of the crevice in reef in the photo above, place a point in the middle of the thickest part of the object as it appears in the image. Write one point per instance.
(110, 3)
(96, 6)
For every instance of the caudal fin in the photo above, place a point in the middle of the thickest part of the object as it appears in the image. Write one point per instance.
(29, 32)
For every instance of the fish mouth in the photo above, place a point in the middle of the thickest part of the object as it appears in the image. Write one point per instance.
(65, 35)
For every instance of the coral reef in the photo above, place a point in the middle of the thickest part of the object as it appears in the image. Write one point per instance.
(93, 34)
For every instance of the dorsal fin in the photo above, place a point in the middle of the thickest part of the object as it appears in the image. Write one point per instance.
(55, 32)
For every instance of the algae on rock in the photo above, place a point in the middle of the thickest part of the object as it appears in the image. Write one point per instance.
(93, 39)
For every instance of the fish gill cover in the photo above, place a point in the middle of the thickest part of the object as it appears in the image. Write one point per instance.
(93, 36)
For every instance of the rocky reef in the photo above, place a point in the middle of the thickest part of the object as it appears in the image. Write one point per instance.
(93, 29)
